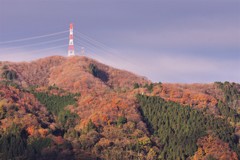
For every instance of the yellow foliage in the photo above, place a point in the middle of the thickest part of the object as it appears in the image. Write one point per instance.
(43, 132)
(3, 102)
(151, 154)
(144, 141)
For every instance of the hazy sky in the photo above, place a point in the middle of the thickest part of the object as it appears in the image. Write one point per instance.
(164, 40)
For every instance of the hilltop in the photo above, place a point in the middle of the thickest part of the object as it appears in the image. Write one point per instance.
(83, 109)
(63, 71)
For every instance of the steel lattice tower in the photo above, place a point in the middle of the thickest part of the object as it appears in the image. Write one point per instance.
(71, 45)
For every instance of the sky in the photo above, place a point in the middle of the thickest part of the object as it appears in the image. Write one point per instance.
(187, 41)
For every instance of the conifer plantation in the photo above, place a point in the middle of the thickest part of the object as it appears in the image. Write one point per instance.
(179, 127)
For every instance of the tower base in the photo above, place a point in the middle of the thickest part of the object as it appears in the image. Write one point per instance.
(71, 53)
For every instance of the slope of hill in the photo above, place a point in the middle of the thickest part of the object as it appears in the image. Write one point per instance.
(75, 73)
(89, 110)
(82, 73)
(36, 72)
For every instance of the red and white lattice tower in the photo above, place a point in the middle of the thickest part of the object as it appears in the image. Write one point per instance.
(71, 45)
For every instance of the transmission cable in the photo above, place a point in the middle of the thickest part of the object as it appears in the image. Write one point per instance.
(35, 37)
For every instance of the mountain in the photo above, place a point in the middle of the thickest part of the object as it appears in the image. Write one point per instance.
(79, 108)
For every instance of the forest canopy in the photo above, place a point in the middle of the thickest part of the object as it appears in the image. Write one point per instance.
(180, 127)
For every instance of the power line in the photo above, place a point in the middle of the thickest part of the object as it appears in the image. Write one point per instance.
(35, 37)
(60, 46)
(35, 44)
(101, 45)
(91, 43)
(94, 49)
(91, 53)
(93, 40)
(85, 43)
(87, 47)
(96, 44)
(91, 47)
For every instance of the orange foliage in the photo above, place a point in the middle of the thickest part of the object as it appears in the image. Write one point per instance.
(36, 72)
(195, 95)
(103, 101)
(43, 132)
(30, 130)
(23, 107)
(210, 145)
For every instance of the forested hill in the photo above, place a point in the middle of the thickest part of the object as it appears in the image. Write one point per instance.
(78, 108)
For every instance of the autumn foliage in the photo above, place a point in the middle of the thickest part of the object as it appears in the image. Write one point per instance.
(109, 124)
(214, 147)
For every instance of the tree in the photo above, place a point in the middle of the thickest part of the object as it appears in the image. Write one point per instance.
(136, 85)
(121, 120)
(9, 75)
(36, 145)
(179, 128)
(98, 73)
(90, 126)
(68, 119)
(149, 87)
(13, 143)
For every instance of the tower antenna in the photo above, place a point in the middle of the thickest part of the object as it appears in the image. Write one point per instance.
(71, 45)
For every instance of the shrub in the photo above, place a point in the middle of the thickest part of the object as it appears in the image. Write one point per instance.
(90, 126)
(210, 157)
(9, 83)
(93, 69)
(90, 139)
(53, 87)
(71, 133)
(149, 87)
(9, 75)
(121, 120)
(144, 141)
(3, 110)
(5, 67)
(136, 85)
